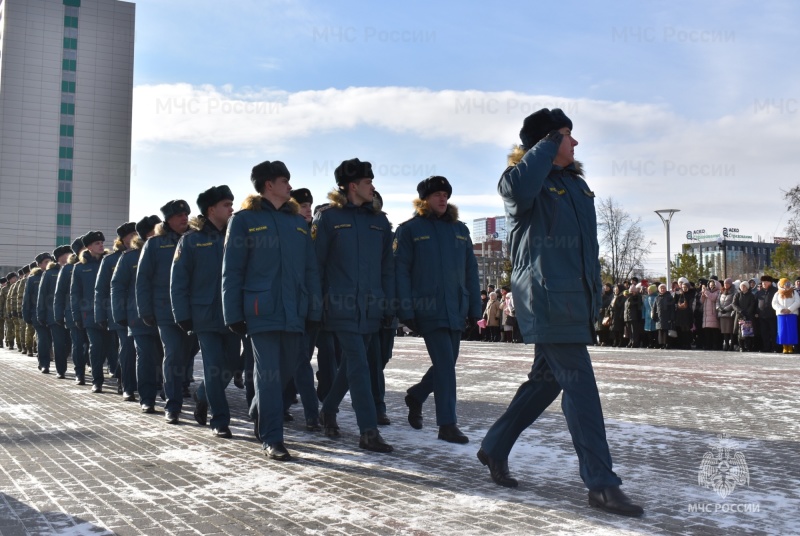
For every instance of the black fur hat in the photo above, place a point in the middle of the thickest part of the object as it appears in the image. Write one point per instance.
(126, 228)
(9, 275)
(61, 250)
(212, 196)
(432, 185)
(77, 245)
(302, 195)
(3, 281)
(268, 171)
(176, 206)
(26, 269)
(146, 224)
(352, 170)
(539, 124)
(91, 237)
(42, 257)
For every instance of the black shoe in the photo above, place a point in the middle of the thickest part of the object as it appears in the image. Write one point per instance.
(498, 470)
(287, 417)
(451, 434)
(414, 412)
(80, 381)
(372, 440)
(97, 389)
(383, 419)
(148, 409)
(223, 432)
(61, 376)
(200, 410)
(312, 425)
(613, 500)
(45, 371)
(328, 421)
(128, 397)
(277, 451)
(171, 417)
(238, 381)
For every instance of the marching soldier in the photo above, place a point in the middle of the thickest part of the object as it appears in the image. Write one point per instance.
(29, 299)
(437, 289)
(22, 329)
(354, 251)
(81, 295)
(270, 291)
(45, 312)
(125, 313)
(117, 350)
(196, 291)
(62, 311)
(10, 329)
(153, 301)
(3, 293)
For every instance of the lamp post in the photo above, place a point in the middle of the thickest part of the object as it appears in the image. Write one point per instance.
(666, 216)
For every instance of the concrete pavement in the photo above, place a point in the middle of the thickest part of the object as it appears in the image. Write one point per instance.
(73, 462)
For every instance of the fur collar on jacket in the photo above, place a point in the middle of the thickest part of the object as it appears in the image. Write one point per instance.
(517, 152)
(52, 265)
(137, 243)
(73, 259)
(86, 256)
(253, 202)
(339, 200)
(421, 208)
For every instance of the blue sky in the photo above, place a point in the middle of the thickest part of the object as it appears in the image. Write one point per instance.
(675, 104)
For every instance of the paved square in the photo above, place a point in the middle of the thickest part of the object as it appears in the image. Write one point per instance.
(73, 462)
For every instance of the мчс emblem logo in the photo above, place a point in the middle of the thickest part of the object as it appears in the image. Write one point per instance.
(723, 467)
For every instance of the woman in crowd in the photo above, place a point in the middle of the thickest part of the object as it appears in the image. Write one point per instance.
(786, 302)
(684, 313)
(617, 308)
(708, 298)
(648, 304)
(664, 315)
(493, 315)
(725, 313)
(745, 306)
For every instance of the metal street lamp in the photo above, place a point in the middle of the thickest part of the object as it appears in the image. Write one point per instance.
(666, 216)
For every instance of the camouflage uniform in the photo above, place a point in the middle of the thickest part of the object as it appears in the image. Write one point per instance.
(3, 294)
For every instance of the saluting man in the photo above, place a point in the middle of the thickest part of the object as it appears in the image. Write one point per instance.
(125, 313)
(271, 292)
(29, 311)
(45, 310)
(196, 291)
(153, 301)
(437, 290)
(353, 242)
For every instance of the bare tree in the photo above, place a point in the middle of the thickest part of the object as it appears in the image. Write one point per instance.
(622, 241)
(792, 199)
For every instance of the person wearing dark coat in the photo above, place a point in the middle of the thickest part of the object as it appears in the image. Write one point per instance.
(556, 279)
(767, 319)
(617, 308)
(664, 314)
(633, 316)
(62, 313)
(745, 306)
(29, 299)
(146, 342)
(437, 289)
(603, 333)
(154, 305)
(684, 313)
(196, 295)
(45, 310)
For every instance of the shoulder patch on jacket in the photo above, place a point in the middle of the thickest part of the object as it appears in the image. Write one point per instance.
(423, 237)
(588, 193)
(558, 191)
(343, 226)
(257, 229)
(394, 245)
(302, 230)
(314, 232)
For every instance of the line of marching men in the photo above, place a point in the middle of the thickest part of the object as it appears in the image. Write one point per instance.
(256, 292)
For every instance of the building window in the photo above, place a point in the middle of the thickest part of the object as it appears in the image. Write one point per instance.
(70, 43)
(67, 130)
(68, 87)
(63, 241)
(73, 3)
(65, 197)
(70, 22)
(64, 219)
(65, 174)
(69, 65)
(67, 108)
(65, 152)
